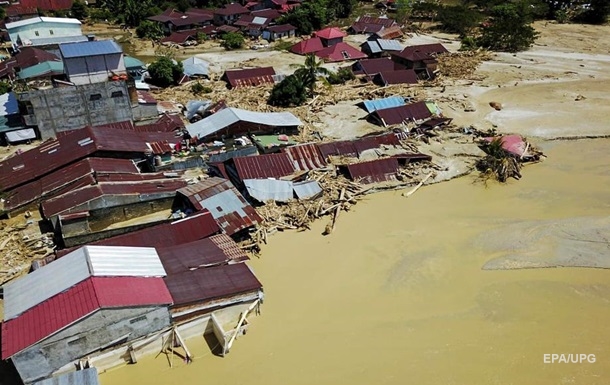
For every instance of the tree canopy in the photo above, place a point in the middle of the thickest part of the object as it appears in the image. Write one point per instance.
(232, 40)
(509, 29)
(79, 10)
(165, 72)
(149, 30)
(289, 92)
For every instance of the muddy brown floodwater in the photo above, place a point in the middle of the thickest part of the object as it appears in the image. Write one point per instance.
(397, 294)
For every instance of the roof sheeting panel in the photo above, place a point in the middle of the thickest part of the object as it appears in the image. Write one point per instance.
(379, 170)
(211, 283)
(380, 104)
(389, 45)
(229, 116)
(264, 166)
(40, 285)
(8, 104)
(89, 48)
(305, 157)
(225, 203)
(80, 377)
(264, 190)
(398, 115)
(67, 307)
(109, 261)
(216, 250)
(307, 189)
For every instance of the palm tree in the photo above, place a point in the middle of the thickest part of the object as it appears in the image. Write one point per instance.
(310, 71)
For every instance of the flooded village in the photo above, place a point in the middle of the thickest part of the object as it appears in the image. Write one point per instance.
(217, 226)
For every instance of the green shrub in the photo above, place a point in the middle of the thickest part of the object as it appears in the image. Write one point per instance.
(164, 72)
(232, 40)
(199, 88)
(289, 92)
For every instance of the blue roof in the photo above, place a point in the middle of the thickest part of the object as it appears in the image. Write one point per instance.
(382, 104)
(89, 48)
(8, 104)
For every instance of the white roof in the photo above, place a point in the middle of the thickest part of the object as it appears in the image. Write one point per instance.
(74, 267)
(228, 116)
(41, 19)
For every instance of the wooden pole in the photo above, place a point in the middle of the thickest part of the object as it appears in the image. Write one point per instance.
(418, 186)
(240, 323)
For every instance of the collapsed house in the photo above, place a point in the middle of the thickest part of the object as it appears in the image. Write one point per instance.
(250, 77)
(420, 58)
(235, 122)
(369, 25)
(402, 114)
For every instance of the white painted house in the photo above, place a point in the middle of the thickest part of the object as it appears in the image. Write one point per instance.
(91, 62)
(42, 30)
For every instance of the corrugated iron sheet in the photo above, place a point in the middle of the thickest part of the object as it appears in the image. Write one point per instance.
(305, 157)
(263, 166)
(216, 250)
(75, 198)
(357, 146)
(80, 174)
(421, 52)
(249, 76)
(380, 104)
(224, 202)
(308, 189)
(68, 307)
(215, 282)
(189, 229)
(379, 170)
(264, 190)
(223, 156)
(80, 377)
(54, 154)
(89, 48)
(80, 264)
(407, 113)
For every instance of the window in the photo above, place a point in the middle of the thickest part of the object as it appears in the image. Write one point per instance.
(95, 97)
(117, 94)
(345, 54)
(36, 33)
(137, 319)
(50, 32)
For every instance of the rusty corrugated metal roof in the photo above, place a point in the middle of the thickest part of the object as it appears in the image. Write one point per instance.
(215, 250)
(75, 198)
(189, 229)
(401, 114)
(54, 154)
(249, 76)
(378, 170)
(305, 157)
(227, 205)
(263, 166)
(210, 283)
(357, 146)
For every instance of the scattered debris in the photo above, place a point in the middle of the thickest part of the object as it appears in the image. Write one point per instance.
(495, 105)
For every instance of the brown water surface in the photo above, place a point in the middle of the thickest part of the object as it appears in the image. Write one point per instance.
(397, 295)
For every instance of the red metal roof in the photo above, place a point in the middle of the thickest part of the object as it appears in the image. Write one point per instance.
(72, 199)
(268, 13)
(165, 123)
(383, 21)
(357, 146)
(330, 33)
(387, 78)
(249, 76)
(307, 46)
(400, 114)
(281, 28)
(30, 56)
(232, 9)
(421, 52)
(229, 207)
(305, 157)
(340, 52)
(216, 250)
(189, 229)
(371, 67)
(62, 310)
(389, 33)
(47, 5)
(19, 10)
(378, 170)
(191, 16)
(263, 166)
(80, 174)
(54, 154)
(211, 283)
(365, 27)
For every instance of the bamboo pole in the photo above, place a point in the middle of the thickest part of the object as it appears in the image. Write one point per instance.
(418, 186)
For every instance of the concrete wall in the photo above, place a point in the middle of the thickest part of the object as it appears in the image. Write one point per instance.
(44, 30)
(89, 335)
(68, 108)
(94, 69)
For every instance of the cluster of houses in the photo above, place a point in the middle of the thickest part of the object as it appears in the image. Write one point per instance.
(255, 19)
(146, 257)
